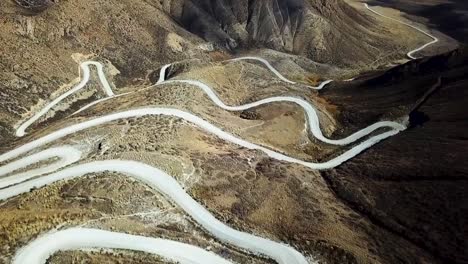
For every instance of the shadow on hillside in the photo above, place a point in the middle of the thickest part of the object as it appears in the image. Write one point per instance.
(450, 18)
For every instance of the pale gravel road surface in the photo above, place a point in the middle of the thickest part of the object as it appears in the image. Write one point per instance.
(411, 53)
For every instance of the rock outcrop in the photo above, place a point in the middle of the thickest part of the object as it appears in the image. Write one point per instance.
(312, 28)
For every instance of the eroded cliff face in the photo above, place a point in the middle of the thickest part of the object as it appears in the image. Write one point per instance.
(140, 36)
(271, 22)
(315, 29)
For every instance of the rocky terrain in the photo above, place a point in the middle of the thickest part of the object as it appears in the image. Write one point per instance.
(402, 200)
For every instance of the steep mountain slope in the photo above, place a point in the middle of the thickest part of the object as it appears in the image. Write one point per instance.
(245, 188)
(453, 21)
(311, 28)
(414, 184)
(42, 40)
(167, 161)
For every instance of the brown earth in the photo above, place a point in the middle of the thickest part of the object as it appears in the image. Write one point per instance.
(392, 204)
(138, 37)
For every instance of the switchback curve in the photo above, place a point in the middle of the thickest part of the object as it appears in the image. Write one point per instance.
(411, 53)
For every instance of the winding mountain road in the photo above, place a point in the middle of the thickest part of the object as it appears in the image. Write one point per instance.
(411, 53)
(277, 73)
(66, 155)
(156, 178)
(168, 186)
(312, 118)
(208, 127)
(162, 73)
(19, 177)
(20, 131)
(38, 251)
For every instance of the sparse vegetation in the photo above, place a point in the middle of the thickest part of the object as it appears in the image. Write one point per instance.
(219, 55)
(331, 214)
(312, 79)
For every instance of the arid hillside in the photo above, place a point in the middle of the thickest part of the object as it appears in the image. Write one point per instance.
(41, 41)
(453, 21)
(224, 131)
(311, 28)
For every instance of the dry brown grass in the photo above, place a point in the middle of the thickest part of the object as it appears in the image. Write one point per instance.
(220, 55)
(312, 79)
